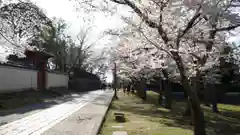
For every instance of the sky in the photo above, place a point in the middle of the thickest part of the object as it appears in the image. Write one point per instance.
(65, 9)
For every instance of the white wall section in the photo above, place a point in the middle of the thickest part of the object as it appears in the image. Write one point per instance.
(16, 79)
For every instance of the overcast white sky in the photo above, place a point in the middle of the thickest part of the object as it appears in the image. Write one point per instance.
(65, 9)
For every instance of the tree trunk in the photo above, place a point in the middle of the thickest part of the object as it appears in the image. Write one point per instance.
(115, 81)
(133, 88)
(215, 100)
(115, 93)
(167, 91)
(198, 118)
(215, 108)
(212, 96)
(197, 114)
(138, 89)
(160, 92)
(168, 95)
(188, 110)
(141, 91)
(185, 94)
(160, 99)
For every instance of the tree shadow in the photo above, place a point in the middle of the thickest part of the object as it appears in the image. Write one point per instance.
(28, 108)
(17, 105)
(27, 101)
(224, 123)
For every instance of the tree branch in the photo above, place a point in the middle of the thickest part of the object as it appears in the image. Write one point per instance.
(162, 33)
(12, 43)
(227, 28)
(156, 45)
(188, 27)
(144, 17)
(119, 2)
(190, 23)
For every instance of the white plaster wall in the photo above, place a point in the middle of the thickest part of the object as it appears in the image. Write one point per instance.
(57, 80)
(17, 79)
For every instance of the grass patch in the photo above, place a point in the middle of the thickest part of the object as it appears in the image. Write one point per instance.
(149, 118)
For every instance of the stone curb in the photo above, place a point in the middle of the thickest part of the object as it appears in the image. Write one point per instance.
(105, 113)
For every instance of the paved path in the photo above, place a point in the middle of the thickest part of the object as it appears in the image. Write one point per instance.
(86, 121)
(42, 121)
(7, 116)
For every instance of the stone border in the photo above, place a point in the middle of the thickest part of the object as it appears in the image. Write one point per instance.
(10, 91)
(17, 66)
(105, 113)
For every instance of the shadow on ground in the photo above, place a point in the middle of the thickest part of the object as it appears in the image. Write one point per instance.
(27, 101)
(227, 122)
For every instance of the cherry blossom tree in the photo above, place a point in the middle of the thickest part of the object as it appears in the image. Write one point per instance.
(21, 22)
(138, 60)
(191, 32)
